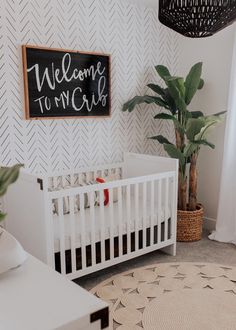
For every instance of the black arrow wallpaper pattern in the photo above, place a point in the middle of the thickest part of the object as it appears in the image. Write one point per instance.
(136, 42)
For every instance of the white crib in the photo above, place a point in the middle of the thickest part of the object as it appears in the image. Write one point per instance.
(89, 237)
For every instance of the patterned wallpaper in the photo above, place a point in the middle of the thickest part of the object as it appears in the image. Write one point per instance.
(136, 42)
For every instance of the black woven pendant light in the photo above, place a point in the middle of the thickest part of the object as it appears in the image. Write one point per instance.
(197, 18)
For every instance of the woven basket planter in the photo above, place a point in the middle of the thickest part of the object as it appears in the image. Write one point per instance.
(189, 225)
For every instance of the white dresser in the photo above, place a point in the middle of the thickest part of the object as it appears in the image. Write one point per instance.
(34, 297)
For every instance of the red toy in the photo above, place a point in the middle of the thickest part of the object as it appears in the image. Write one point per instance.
(106, 192)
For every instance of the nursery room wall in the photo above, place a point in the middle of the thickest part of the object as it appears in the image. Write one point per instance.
(216, 54)
(127, 30)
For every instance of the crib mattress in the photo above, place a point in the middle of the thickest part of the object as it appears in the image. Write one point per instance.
(119, 224)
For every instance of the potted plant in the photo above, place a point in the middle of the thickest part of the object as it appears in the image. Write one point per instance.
(8, 175)
(11, 252)
(191, 129)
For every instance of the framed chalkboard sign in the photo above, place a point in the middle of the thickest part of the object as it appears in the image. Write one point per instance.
(61, 83)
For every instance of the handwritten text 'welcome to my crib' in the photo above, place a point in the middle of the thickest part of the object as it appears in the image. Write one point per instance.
(76, 98)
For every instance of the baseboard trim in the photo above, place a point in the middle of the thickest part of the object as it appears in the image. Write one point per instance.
(209, 223)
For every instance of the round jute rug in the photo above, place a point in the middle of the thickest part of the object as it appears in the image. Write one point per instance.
(176, 296)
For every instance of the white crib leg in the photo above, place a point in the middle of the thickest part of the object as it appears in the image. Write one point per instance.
(171, 249)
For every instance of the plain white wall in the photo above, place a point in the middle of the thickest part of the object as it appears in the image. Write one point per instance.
(147, 3)
(216, 54)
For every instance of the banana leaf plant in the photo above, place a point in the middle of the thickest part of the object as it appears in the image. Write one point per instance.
(191, 127)
(8, 175)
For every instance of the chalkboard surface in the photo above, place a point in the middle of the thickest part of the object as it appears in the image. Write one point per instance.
(61, 83)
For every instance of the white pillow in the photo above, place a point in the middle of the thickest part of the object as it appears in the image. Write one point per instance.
(12, 254)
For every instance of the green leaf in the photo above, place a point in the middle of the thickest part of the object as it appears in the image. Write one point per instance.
(197, 128)
(173, 89)
(209, 123)
(196, 114)
(189, 149)
(192, 82)
(162, 71)
(170, 101)
(2, 216)
(187, 115)
(164, 92)
(161, 139)
(192, 147)
(181, 86)
(206, 143)
(130, 105)
(219, 113)
(8, 175)
(179, 82)
(201, 84)
(173, 152)
(173, 84)
(193, 127)
(157, 89)
(167, 116)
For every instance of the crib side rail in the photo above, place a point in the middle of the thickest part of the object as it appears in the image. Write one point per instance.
(146, 213)
(107, 185)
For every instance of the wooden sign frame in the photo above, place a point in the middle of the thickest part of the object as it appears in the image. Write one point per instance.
(27, 114)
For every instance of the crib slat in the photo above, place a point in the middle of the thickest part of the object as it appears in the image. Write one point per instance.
(152, 213)
(80, 178)
(77, 180)
(62, 235)
(92, 218)
(173, 208)
(50, 232)
(159, 212)
(64, 182)
(87, 176)
(102, 222)
(166, 208)
(54, 185)
(72, 232)
(120, 221)
(144, 214)
(116, 172)
(136, 202)
(128, 213)
(83, 233)
(50, 183)
(111, 211)
(95, 175)
(73, 179)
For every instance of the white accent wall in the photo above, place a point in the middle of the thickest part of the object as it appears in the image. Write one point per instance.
(130, 32)
(148, 3)
(216, 54)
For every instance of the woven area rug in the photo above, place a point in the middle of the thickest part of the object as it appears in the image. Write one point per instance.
(177, 296)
